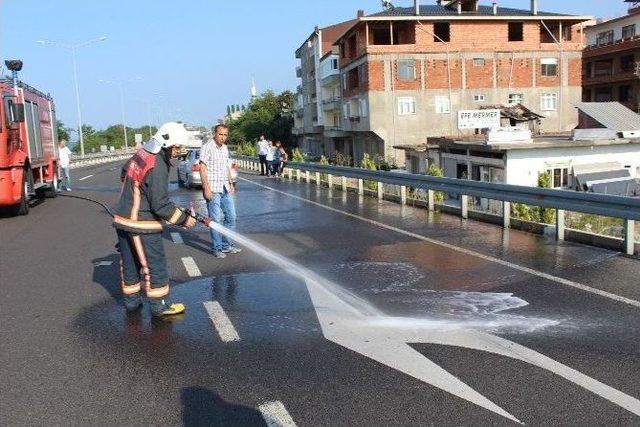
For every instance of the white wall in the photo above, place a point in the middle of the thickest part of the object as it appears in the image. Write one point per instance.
(523, 166)
(616, 26)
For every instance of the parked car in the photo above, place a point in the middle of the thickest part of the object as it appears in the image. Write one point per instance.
(189, 169)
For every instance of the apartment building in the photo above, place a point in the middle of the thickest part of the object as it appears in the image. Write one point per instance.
(405, 72)
(318, 90)
(612, 60)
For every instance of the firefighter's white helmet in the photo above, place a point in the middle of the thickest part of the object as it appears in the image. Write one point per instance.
(170, 134)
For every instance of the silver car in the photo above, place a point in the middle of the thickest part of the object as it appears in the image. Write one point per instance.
(189, 169)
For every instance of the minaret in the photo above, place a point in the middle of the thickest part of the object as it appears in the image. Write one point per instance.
(254, 92)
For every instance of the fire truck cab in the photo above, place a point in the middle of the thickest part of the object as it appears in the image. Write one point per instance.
(28, 144)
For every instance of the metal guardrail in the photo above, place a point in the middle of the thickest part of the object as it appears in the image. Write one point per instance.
(100, 158)
(626, 208)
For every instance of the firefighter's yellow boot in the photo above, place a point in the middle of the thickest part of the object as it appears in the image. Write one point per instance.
(159, 308)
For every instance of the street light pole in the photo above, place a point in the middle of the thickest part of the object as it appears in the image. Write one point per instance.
(124, 121)
(73, 48)
(75, 82)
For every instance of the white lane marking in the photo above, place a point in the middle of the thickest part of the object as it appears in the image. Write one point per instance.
(524, 269)
(85, 177)
(102, 263)
(221, 322)
(353, 323)
(191, 267)
(177, 238)
(276, 415)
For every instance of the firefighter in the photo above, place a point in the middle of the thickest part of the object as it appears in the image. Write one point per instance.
(144, 204)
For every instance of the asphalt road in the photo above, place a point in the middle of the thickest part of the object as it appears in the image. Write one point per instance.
(384, 315)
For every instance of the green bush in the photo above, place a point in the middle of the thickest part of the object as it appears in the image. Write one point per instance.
(545, 215)
(297, 156)
(368, 163)
(433, 170)
(323, 161)
(340, 159)
(246, 149)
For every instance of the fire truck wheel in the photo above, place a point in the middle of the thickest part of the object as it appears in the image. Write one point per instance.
(52, 191)
(23, 207)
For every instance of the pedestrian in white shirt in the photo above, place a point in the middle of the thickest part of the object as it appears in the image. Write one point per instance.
(263, 150)
(270, 151)
(64, 154)
(218, 188)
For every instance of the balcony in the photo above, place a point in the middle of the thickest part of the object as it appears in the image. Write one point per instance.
(614, 78)
(331, 104)
(619, 45)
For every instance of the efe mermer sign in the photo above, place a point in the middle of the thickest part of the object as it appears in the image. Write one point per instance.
(478, 119)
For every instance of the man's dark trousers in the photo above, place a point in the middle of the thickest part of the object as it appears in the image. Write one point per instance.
(263, 164)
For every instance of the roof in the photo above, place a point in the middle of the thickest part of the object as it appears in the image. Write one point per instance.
(517, 112)
(627, 188)
(609, 175)
(612, 115)
(330, 34)
(437, 10)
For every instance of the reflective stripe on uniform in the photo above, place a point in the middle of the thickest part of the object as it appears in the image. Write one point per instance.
(175, 217)
(142, 258)
(135, 208)
(138, 225)
(130, 289)
(158, 292)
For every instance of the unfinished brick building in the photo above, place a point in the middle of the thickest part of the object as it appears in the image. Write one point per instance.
(406, 72)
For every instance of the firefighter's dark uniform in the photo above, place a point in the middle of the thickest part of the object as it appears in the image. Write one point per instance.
(144, 203)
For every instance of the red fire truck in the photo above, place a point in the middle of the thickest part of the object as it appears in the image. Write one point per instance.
(28, 144)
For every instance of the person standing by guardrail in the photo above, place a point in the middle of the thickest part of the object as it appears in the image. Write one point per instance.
(218, 189)
(64, 154)
(263, 150)
(283, 158)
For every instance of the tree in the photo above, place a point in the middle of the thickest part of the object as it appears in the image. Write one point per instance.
(62, 130)
(267, 115)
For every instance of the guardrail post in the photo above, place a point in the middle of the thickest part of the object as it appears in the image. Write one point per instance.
(431, 200)
(360, 187)
(560, 224)
(344, 183)
(317, 178)
(506, 214)
(403, 194)
(464, 206)
(380, 191)
(629, 236)
(307, 176)
(330, 181)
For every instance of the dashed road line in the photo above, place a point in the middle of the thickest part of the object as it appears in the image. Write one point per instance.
(276, 415)
(465, 251)
(85, 177)
(177, 238)
(191, 267)
(221, 321)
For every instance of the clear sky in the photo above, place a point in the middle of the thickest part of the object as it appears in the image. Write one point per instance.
(193, 56)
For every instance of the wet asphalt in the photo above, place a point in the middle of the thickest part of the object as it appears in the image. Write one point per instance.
(71, 356)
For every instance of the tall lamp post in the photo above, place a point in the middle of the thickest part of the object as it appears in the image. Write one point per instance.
(120, 84)
(73, 48)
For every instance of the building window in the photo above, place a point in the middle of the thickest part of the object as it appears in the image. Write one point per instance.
(604, 94)
(364, 111)
(625, 93)
(443, 106)
(407, 69)
(559, 176)
(441, 32)
(603, 68)
(629, 31)
(406, 105)
(549, 101)
(345, 110)
(478, 62)
(516, 32)
(627, 63)
(604, 37)
(549, 67)
(479, 98)
(362, 74)
(334, 64)
(516, 98)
